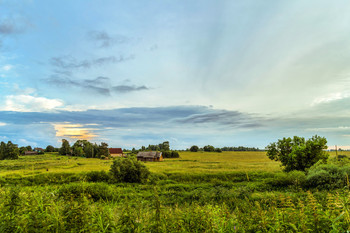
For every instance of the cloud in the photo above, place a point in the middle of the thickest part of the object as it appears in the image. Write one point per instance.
(2, 124)
(224, 117)
(331, 98)
(10, 25)
(103, 40)
(129, 88)
(100, 85)
(28, 103)
(138, 117)
(70, 63)
(7, 67)
(7, 28)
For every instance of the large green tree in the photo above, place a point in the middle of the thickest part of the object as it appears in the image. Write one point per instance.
(8, 151)
(297, 153)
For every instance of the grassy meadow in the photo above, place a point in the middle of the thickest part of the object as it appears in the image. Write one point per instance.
(198, 192)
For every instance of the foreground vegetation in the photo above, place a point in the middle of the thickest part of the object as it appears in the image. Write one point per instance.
(223, 192)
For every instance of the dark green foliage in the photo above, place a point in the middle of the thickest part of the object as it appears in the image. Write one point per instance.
(103, 150)
(194, 148)
(50, 148)
(98, 176)
(295, 179)
(218, 150)
(76, 215)
(170, 154)
(22, 149)
(209, 148)
(328, 176)
(65, 148)
(129, 170)
(95, 191)
(165, 146)
(298, 154)
(240, 148)
(8, 150)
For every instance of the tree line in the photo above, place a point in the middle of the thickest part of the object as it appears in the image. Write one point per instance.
(84, 148)
(210, 148)
(163, 147)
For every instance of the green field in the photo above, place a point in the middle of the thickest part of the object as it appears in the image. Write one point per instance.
(198, 192)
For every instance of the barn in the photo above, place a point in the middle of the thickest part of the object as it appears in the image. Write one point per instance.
(151, 156)
(116, 152)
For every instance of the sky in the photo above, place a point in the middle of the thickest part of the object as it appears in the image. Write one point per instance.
(198, 72)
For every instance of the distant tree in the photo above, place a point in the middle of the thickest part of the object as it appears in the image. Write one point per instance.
(298, 154)
(103, 150)
(29, 148)
(78, 151)
(3, 149)
(175, 154)
(218, 150)
(209, 148)
(50, 148)
(194, 148)
(165, 146)
(65, 148)
(22, 149)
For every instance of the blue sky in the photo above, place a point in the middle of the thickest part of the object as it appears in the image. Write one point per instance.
(226, 73)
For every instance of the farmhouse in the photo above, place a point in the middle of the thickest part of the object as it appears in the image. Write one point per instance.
(151, 156)
(116, 152)
(39, 150)
(30, 153)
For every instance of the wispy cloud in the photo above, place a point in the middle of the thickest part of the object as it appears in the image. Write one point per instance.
(100, 85)
(104, 40)
(10, 25)
(331, 97)
(70, 63)
(129, 88)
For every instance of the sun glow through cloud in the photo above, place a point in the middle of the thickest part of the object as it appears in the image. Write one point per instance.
(74, 131)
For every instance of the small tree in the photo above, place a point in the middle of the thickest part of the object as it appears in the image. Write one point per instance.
(65, 148)
(129, 170)
(194, 148)
(296, 153)
(50, 148)
(103, 150)
(209, 148)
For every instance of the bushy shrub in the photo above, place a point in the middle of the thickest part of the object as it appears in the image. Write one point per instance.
(98, 176)
(194, 148)
(96, 191)
(129, 170)
(170, 154)
(293, 178)
(328, 176)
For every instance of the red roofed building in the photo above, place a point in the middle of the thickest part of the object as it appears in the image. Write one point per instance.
(115, 152)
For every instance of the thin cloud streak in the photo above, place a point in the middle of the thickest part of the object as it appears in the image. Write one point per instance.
(100, 85)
